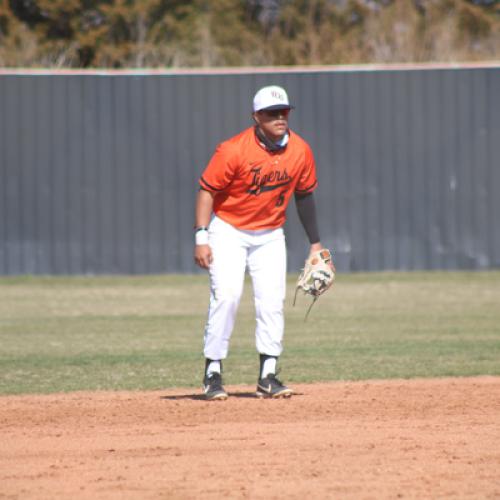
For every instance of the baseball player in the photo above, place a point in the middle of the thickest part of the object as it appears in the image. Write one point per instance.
(247, 185)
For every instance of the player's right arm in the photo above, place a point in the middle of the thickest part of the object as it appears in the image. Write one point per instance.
(217, 175)
(203, 212)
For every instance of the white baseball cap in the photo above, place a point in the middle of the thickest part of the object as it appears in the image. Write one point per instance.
(271, 97)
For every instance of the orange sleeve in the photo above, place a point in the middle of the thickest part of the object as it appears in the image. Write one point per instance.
(220, 170)
(307, 181)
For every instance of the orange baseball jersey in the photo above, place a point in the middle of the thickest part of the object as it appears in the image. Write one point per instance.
(252, 185)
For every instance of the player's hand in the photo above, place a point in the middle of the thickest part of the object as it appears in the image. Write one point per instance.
(203, 255)
(315, 247)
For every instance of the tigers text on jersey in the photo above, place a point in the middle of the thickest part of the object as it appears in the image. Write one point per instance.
(252, 185)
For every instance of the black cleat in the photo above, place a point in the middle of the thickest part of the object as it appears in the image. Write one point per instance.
(212, 387)
(271, 387)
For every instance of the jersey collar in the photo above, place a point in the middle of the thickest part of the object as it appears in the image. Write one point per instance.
(270, 145)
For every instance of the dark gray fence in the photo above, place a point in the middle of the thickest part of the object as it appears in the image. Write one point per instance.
(98, 172)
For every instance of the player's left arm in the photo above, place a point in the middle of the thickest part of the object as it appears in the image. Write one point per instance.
(304, 200)
(306, 209)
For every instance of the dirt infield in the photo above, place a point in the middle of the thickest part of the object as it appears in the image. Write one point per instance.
(381, 439)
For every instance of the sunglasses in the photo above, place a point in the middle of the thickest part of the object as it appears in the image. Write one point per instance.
(276, 113)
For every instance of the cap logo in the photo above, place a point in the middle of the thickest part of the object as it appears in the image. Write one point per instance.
(270, 96)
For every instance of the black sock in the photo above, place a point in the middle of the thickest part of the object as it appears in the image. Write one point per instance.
(263, 358)
(207, 364)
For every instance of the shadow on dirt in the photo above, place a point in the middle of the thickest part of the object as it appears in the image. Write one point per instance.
(201, 397)
(231, 395)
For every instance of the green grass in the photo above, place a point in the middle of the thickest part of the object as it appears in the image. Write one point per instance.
(77, 333)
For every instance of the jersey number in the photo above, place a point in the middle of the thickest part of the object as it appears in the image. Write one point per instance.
(281, 198)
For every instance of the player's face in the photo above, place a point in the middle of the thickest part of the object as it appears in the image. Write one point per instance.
(273, 123)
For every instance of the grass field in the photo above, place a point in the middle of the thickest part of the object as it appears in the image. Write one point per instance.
(76, 333)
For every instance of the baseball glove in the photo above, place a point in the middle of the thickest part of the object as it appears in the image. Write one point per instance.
(317, 276)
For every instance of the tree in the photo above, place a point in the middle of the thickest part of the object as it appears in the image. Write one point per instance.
(187, 33)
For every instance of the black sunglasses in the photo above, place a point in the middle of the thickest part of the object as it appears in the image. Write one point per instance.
(275, 113)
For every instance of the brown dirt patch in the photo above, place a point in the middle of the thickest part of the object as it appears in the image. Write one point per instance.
(380, 439)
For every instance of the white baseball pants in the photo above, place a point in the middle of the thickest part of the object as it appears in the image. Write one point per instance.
(264, 254)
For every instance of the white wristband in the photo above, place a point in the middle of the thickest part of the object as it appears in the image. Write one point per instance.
(201, 237)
